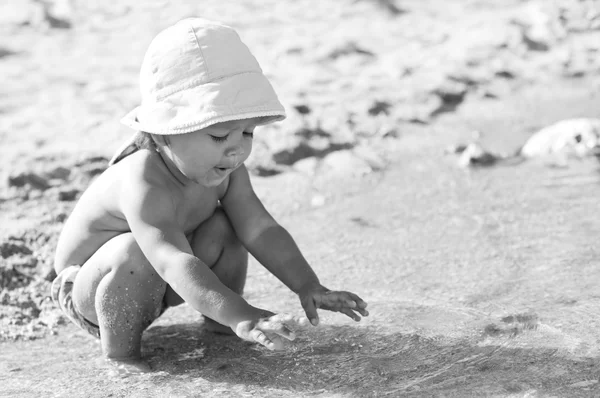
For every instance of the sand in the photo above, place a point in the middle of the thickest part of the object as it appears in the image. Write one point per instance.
(480, 281)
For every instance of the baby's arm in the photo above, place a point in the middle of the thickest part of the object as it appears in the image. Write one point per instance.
(273, 247)
(150, 212)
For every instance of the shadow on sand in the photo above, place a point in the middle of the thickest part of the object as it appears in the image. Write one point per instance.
(366, 362)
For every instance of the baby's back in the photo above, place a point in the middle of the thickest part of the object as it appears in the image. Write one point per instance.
(95, 220)
(98, 217)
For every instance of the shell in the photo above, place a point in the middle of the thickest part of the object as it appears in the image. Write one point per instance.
(574, 137)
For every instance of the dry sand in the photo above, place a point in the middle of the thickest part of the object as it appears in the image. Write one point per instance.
(480, 282)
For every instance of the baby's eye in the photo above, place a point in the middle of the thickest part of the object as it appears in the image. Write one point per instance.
(249, 134)
(219, 139)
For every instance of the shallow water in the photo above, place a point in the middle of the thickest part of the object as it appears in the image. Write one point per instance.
(479, 283)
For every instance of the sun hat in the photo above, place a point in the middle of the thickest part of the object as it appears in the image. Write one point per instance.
(197, 73)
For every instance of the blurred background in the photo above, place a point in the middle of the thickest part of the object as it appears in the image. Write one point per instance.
(349, 70)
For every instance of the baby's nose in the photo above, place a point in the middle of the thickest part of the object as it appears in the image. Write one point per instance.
(235, 152)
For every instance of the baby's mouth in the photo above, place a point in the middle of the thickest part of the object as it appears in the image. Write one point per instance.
(224, 170)
(227, 168)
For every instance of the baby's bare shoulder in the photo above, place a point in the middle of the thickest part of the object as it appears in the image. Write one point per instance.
(143, 170)
(132, 179)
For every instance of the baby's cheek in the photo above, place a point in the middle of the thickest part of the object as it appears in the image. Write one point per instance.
(247, 151)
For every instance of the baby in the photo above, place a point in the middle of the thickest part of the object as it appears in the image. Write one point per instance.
(173, 218)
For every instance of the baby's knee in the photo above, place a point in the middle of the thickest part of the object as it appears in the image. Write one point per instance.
(222, 226)
(213, 237)
(217, 229)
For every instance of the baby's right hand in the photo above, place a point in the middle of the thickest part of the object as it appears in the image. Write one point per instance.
(269, 329)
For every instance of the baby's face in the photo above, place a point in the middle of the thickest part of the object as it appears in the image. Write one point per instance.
(209, 155)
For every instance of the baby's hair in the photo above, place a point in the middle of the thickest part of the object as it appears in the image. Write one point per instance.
(141, 140)
(144, 140)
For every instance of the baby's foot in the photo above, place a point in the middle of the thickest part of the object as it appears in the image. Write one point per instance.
(215, 327)
(126, 367)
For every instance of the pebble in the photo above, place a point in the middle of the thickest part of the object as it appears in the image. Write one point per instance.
(302, 109)
(68, 195)
(475, 155)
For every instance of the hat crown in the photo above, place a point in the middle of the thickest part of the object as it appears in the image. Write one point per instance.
(192, 52)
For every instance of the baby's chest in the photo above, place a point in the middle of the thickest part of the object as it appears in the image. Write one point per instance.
(195, 209)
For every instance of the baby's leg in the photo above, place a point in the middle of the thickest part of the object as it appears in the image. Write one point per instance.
(120, 291)
(217, 245)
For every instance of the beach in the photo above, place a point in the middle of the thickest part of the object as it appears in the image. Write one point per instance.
(481, 281)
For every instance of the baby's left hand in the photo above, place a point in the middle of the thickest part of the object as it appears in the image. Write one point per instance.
(317, 296)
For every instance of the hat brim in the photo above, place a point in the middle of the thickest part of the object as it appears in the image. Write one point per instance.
(241, 96)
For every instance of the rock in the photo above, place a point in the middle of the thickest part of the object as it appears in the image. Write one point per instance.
(68, 195)
(28, 178)
(48, 273)
(475, 155)
(573, 137)
(61, 217)
(540, 26)
(304, 143)
(5, 52)
(302, 109)
(263, 171)
(452, 94)
(60, 173)
(379, 107)
(12, 247)
(58, 14)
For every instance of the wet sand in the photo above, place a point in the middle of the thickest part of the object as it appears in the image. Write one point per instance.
(480, 282)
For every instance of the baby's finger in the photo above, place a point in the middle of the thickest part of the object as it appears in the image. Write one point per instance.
(311, 310)
(360, 303)
(350, 313)
(279, 328)
(261, 338)
(291, 321)
(339, 299)
(362, 311)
